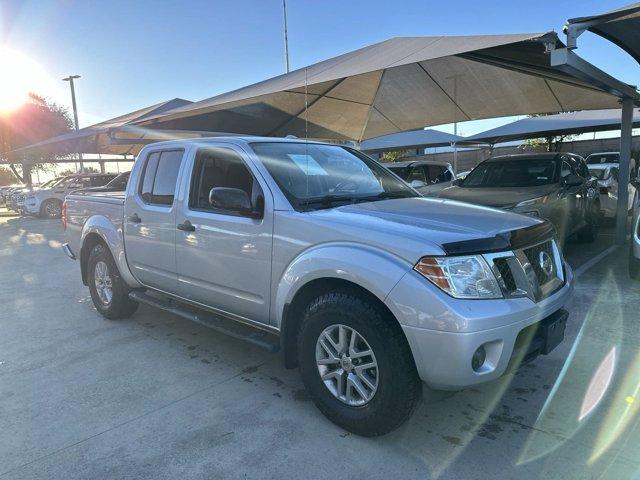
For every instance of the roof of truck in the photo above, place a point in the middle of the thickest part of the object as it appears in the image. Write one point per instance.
(237, 139)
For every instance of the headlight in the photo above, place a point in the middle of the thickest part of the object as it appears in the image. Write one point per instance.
(460, 277)
(533, 201)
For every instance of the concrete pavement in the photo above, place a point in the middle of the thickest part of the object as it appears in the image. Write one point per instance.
(157, 396)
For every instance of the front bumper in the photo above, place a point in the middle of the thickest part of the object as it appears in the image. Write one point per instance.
(31, 206)
(443, 333)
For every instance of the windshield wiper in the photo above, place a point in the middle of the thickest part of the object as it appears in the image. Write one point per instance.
(383, 196)
(328, 201)
(325, 201)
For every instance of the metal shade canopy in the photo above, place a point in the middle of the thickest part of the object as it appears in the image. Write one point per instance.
(552, 125)
(400, 84)
(115, 136)
(409, 140)
(620, 26)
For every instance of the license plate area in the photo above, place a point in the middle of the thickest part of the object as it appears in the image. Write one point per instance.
(551, 331)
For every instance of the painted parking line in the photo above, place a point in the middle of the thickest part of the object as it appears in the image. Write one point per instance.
(594, 261)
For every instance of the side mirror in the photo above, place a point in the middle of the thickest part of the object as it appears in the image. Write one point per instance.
(417, 184)
(573, 180)
(235, 200)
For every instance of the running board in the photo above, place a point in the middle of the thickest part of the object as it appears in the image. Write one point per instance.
(254, 336)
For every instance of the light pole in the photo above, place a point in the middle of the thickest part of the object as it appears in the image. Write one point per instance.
(286, 40)
(70, 79)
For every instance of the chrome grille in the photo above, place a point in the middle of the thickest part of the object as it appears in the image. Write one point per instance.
(535, 272)
(506, 276)
(536, 256)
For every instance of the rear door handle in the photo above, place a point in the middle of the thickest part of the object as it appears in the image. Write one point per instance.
(187, 226)
(134, 218)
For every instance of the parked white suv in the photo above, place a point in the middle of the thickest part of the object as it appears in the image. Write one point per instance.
(47, 202)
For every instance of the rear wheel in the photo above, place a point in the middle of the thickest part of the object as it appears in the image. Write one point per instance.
(356, 364)
(51, 209)
(109, 293)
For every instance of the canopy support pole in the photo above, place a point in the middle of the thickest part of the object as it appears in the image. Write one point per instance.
(624, 171)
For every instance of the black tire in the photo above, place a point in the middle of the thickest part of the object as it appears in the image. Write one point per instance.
(589, 232)
(634, 264)
(51, 208)
(398, 386)
(120, 305)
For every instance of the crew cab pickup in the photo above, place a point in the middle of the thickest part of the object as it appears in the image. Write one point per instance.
(359, 281)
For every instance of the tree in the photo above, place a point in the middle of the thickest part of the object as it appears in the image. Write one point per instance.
(394, 155)
(36, 120)
(551, 143)
(6, 177)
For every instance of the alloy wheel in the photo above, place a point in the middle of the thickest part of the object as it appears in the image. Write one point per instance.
(103, 282)
(347, 365)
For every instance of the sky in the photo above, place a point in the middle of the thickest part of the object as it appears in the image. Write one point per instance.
(131, 54)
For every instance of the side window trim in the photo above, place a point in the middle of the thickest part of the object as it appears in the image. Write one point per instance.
(153, 184)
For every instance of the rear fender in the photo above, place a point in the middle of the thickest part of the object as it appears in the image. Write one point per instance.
(112, 236)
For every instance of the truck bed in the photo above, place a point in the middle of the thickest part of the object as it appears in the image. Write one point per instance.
(81, 205)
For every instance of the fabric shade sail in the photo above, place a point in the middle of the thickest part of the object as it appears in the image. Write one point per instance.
(115, 136)
(552, 125)
(620, 26)
(400, 84)
(409, 140)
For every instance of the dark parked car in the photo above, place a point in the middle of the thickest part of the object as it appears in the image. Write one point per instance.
(424, 176)
(118, 184)
(553, 186)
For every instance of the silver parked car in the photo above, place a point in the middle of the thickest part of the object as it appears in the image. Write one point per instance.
(425, 176)
(607, 175)
(47, 202)
(362, 283)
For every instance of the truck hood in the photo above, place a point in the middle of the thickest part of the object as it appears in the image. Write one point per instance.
(414, 223)
(496, 197)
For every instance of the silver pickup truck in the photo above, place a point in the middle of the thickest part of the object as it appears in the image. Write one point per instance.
(359, 281)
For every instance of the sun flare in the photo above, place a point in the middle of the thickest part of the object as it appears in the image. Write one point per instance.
(20, 76)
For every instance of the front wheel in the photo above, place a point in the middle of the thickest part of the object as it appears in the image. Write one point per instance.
(356, 364)
(109, 293)
(634, 264)
(590, 231)
(51, 209)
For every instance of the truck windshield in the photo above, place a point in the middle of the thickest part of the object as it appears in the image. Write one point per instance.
(316, 176)
(519, 173)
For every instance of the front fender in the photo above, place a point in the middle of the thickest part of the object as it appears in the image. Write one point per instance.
(112, 236)
(373, 269)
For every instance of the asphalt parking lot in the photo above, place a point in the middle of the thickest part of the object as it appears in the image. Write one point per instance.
(157, 396)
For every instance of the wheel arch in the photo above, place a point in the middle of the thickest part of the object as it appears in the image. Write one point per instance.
(362, 270)
(99, 229)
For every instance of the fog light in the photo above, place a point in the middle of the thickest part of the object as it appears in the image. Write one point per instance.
(479, 356)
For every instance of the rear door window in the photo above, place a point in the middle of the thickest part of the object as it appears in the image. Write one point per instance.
(160, 177)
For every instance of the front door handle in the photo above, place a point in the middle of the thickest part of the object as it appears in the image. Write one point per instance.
(134, 218)
(187, 226)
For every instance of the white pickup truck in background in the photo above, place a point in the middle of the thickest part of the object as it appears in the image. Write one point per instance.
(363, 284)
